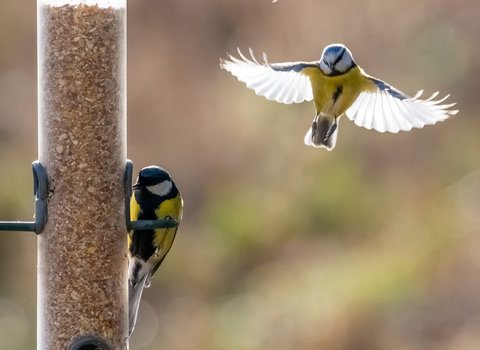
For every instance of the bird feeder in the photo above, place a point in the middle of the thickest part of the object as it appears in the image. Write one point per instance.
(82, 262)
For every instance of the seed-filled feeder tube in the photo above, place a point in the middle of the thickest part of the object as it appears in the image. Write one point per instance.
(82, 263)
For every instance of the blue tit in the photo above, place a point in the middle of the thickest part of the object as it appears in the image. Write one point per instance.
(337, 86)
(155, 197)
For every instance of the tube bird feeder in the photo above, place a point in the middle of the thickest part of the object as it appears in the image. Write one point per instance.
(82, 262)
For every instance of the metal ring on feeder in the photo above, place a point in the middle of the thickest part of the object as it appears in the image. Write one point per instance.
(89, 342)
(40, 190)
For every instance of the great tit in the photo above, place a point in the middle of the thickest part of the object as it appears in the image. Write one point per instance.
(155, 197)
(337, 86)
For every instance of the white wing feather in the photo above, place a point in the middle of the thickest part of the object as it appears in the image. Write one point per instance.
(387, 109)
(282, 82)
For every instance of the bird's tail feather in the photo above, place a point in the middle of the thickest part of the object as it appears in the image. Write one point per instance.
(134, 297)
(317, 134)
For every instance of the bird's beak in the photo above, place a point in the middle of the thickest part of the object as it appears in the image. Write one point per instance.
(136, 186)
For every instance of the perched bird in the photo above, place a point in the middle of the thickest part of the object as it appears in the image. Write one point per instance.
(155, 197)
(337, 86)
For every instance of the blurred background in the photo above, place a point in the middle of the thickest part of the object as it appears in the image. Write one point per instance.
(374, 245)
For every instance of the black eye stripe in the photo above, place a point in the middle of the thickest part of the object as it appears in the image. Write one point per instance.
(339, 57)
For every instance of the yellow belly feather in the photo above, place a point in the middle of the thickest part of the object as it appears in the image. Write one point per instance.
(171, 207)
(324, 87)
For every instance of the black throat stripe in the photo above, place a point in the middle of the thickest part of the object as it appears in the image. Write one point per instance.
(337, 93)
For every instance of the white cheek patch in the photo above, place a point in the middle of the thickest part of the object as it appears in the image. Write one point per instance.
(326, 69)
(161, 189)
(344, 63)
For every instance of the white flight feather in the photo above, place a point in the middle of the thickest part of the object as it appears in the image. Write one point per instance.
(383, 111)
(281, 86)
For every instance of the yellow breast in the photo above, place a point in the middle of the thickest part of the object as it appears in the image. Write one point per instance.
(171, 207)
(174, 208)
(332, 96)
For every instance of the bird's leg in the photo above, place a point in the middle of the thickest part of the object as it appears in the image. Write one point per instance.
(167, 219)
(331, 130)
(314, 128)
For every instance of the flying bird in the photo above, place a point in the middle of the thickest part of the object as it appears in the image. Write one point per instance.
(155, 197)
(337, 86)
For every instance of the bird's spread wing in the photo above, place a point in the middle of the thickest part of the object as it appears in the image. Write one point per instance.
(384, 108)
(282, 82)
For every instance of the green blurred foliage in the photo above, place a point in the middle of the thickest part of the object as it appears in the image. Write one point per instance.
(374, 245)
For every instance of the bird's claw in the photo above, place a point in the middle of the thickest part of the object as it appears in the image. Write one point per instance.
(314, 129)
(167, 219)
(330, 131)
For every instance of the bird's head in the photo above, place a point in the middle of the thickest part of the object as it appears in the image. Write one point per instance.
(336, 60)
(155, 180)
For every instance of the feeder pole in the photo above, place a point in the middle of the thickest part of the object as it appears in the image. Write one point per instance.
(82, 262)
